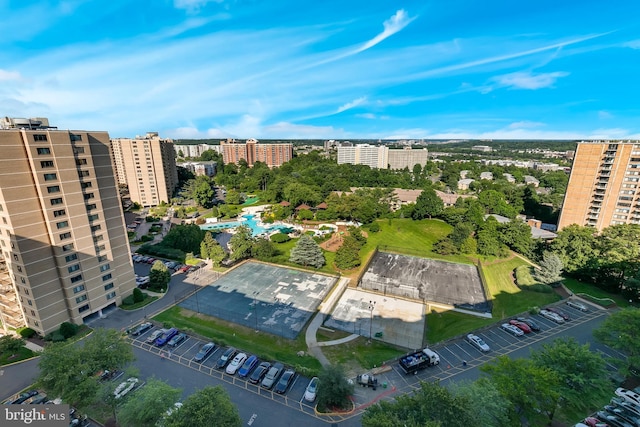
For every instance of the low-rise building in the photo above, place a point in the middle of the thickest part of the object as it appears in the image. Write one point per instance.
(464, 184)
(531, 180)
(486, 175)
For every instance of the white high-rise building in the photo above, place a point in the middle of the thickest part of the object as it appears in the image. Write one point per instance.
(374, 156)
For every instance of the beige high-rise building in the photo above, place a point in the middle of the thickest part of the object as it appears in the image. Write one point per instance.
(65, 252)
(604, 186)
(408, 158)
(374, 156)
(147, 165)
(273, 154)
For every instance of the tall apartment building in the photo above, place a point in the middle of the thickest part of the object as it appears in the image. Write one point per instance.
(147, 165)
(196, 150)
(62, 234)
(604, 185)
(374, 156)
(252, 151)
(407, 158)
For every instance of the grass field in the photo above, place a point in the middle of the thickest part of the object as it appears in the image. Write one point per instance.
(600, 296)
(12, 357)
(358, 354)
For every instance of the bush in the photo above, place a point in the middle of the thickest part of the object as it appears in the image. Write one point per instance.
(138, 296)
(280, 238)
(57, 337)
(67, 330)
(158, 250)
(26, 332)
(128, 300)
(374, 227)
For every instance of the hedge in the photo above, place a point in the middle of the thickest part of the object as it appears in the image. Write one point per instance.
(162, 251)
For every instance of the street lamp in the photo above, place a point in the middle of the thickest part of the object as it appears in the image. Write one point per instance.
(372, 306)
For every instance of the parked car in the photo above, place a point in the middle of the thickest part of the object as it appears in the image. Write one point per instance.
(628, 395)
(521, 325)
(125, 387)
(166, 337)
(259, 373)
(272, 376)
(141, 329)
(151, 260)
(559, 312)
(184, 269)
(178, 339)
(529, 321)
(285, 381)
(236, 363)
(551, 316)
(516, 332)
(312, 390)
(225, 357)
(577, 305)
(478, 342)
(248, 366)
(204, 352)
(24, 396)
(155, 335)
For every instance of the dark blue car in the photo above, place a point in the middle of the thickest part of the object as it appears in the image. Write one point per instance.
(164, 338)
(248, 366)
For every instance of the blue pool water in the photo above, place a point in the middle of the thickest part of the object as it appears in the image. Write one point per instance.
(248, 220)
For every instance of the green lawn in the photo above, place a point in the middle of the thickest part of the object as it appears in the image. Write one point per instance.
(12, 357)
(265, 346)
(598, 295)
(358, 354)
(147, 300)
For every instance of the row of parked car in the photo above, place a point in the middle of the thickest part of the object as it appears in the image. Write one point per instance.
(269, 375)
(174, 266)
(525, 325)
(622, 411)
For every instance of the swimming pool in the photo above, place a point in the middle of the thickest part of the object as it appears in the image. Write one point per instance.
(249, 220)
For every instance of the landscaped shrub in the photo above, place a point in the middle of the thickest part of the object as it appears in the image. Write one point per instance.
(67, 330)
(145, 238)
(162, 252)
(280, 238)
(26, 332)
(128, 300)
(374, 227)
(57, 337)
(138, 296)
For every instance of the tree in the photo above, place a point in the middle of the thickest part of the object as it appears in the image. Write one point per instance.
(211, 404)
(582, 374)
(200, 190)
(460, 233)
(550, 271)
(187, 238)
(263, 249)
(232, 197)
(69, 371)
(307, 252)
(432, 404)
(207, 245)
(576, 247)
(67, 329)
(9, 344)
(620, 331)
(348, 255)
(241, 243)
(138, 296)
(516, 235)
(150, 404)
(485, 402)
(159, 276)
(333, 388)
(428, 204)
(532, 389)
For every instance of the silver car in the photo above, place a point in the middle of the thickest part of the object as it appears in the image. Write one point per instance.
(478, 342)
(551, 316)
(513, 330)
(577, 305)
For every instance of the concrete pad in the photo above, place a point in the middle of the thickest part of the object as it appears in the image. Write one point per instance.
(400, 321)
(426, 280)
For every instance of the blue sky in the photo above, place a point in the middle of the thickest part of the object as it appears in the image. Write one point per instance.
(325, 69)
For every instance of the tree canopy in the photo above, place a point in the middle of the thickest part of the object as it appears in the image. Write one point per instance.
(620, 331)
(307, 252)
(150, 404)
(204, 407)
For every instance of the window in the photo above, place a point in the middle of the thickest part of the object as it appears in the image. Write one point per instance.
(83, 308)
(98, 238)
(105, 267)
(78, 288)
(85, 184)
(91, 206)
(108, 286)
(60, 212)
(50, 177)
(106, 277)
(15, 257)
(76, 279)
(33, 313)
(111, 295)
(71, 257)
(29, 302)
(43, 150)
(19, 269)
(53, 189)
(67, 248)
(80, 162)
(56, 201)
(102, 258)
(65, 236)
(73, 268)
(100, 248)
(88, 196)
(83, 174)
(39, 137)
(26, 291)
(62, 224)
(81, 298)
(93, 217)
(75, 137)
(22, 280)
(96, 227)
(46, 164)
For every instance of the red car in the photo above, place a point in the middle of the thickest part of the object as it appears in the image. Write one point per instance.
(559, 312)
(521, 325)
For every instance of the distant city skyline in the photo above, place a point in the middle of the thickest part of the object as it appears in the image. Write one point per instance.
(325, 70)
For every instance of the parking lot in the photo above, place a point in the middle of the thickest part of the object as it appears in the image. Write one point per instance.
(456, 358)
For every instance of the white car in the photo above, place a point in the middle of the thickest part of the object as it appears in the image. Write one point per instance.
(125, 387)
(628, 395)
(478, 342)
(513, 330)
(155, 335)
(236, 363)
(312, 390)
(577, 305)
(551, 316)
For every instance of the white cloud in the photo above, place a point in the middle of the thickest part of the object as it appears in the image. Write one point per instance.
(293, 130)
(525, 124)
(633, 44)
(352, 104)
(604, 115)
(391, 26)
(370, 116)
(529, 80)
(193, 5)
(6, 76)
